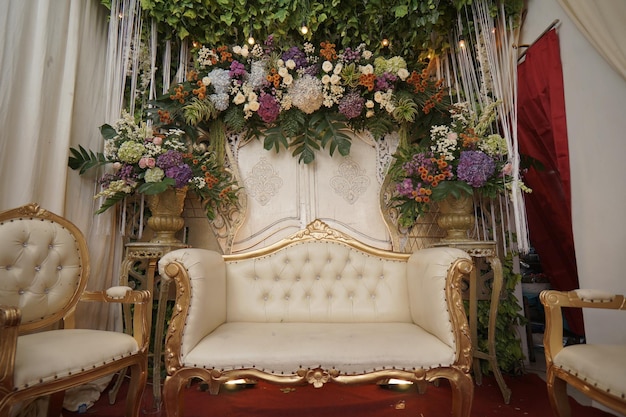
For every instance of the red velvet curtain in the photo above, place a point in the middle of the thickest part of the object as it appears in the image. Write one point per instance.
(542, 133)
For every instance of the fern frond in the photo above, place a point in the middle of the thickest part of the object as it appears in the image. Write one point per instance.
(234, 119)
(199, 110)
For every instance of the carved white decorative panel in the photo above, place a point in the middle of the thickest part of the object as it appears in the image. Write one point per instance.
(283, 196)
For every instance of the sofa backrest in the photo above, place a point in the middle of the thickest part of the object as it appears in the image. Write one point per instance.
(317, 280)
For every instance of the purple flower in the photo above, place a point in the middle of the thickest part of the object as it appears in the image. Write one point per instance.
(169, 159)
(127, 172)
(350, 55)
(384, 82)
(237, 71)
(351, 105)
(405, 188)
(475, 168)
(181, 173)
(298, 56)
(269, 108)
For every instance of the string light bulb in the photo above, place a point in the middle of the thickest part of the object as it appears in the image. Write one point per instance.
(462, 42)
(384, 42)
(251, 40)
(304, 29)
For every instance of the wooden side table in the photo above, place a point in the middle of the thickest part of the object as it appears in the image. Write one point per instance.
(140, 264)
(479, 290)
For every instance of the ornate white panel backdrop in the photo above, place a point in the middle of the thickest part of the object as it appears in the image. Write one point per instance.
(283, 196)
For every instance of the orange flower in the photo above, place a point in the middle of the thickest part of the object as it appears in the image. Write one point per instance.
(328, 51)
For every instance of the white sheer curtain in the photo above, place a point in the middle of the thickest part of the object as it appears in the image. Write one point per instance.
(52, 62)
(602, 23)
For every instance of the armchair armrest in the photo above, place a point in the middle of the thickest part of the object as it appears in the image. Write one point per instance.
(553, 302)
(143, 307)
(200, 279)
(10, 318)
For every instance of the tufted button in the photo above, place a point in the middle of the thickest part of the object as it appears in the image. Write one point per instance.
(286, 261)
(24, 244)
(46, 290)
(265, 297)
(329, 296)
(256, 277)
(317, 277)
(381, 277)
(372, 296)
(50, 246)
(298, 278)
(287, 297)
(360, 276)
(21, 291)
(38, 268)
(60, 267)
(351, 295)
(8, 267)
(308, 296)
(307, 260)
(276, 278)
(338, 277)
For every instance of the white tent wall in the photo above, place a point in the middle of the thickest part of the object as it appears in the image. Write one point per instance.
(595, 99)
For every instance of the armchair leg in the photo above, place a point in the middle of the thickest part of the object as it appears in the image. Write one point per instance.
(173, 396)
(136, 387)
(557, 393)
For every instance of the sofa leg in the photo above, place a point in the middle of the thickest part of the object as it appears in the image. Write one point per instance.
(462, 395)
(173, 396)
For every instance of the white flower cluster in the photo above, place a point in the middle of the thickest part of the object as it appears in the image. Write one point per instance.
(331, 81)
(207, 57)
(385, 100)
(306, 94)
(445, 141)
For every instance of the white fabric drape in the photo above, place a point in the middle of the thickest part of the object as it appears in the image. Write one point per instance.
(52, 58)
(602, 23)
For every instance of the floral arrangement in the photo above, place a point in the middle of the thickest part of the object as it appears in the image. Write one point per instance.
(148, 162)
(458, 158)
(301, 98)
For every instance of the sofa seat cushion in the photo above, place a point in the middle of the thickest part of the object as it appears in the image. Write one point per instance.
(601, 365)
(46, 356)
(351, 348)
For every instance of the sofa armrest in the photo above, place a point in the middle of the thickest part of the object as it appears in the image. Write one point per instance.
(200, 279)
(434, 277)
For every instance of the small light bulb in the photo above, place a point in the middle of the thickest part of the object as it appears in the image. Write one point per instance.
(120, 15)
(195, 44)
(385, 42)
(304, 30)
(462, 43)
(251, 40)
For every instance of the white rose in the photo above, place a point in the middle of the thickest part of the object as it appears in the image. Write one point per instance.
(288, 79)
(334, 79)
(291, 64)
(369, 113)
(283, 72)
(403, 74)
(367, 54)
(239, 99)
(378, 96)
(366, 69)
(252, 97)
(244, 51)
(280, 63)
(327, 66)
(338, 68)
(390, 107)
(326, 79)
(206, 81)
(369, 104)
(254, 105)
(237, 49)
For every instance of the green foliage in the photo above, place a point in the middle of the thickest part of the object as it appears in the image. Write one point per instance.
(413, 27)
(83, 160)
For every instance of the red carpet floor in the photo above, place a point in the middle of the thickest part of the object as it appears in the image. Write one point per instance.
(529, 398)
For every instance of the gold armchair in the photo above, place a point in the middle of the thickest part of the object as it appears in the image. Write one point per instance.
(44, 267)
(598, 371)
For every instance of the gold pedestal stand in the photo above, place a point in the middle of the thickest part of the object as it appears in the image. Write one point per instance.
(479, 290)
(140, 263)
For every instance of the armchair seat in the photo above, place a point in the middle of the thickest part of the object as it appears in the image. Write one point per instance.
(73, 350)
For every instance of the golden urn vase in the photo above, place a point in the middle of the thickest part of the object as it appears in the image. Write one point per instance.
(166, 219)
(456, 216)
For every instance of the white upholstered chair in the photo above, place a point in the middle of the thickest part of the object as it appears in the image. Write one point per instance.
(597, 370)
(44, 267)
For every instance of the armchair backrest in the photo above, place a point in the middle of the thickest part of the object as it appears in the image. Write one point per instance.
(44, 266)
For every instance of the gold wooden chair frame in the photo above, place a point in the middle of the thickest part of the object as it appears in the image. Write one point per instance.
(44, 268)
(598, 371)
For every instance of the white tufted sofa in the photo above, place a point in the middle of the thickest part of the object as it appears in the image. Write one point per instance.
(314, 308)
